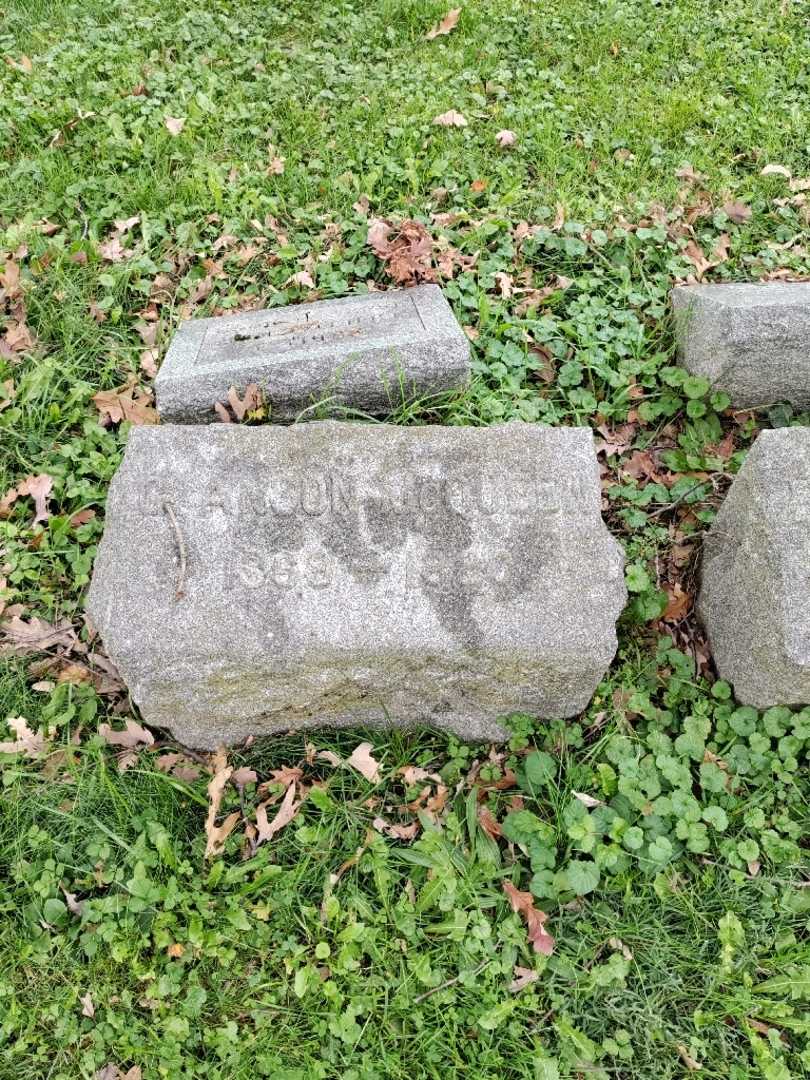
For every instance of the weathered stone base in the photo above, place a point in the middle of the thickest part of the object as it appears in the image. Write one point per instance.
(257, 580)
(755, 593)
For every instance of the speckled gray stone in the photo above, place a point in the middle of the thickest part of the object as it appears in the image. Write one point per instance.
(752, 341)
(342, 574)
(366, 354)
(755, 594)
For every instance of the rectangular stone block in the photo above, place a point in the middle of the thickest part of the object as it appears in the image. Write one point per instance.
(366, 354)
(255, 580)
(751, 341)
(755, 594)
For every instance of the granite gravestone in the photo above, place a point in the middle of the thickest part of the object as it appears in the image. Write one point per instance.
(751, 341)
(362, 353)
(755, 594)
(255, 580)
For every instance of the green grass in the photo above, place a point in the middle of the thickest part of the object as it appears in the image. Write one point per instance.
(679, 905)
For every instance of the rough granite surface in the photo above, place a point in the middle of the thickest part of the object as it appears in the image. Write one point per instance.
(752, 341)
(256, 580)
(366, 354)
(755, 594)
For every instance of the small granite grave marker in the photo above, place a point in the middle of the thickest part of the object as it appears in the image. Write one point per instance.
(751, 341)
(365, 353)
(254, 580)
(755, 595)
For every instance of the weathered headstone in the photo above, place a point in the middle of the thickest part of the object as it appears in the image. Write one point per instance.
(755, 595)
(751, 341)
(363, 353)
(254, 580)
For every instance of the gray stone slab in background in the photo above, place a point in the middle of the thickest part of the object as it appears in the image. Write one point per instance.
(752, 341)
(365, 353)
(340, 574)
(755, 595)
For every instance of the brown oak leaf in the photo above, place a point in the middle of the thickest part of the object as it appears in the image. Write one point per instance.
(216, 835)
(266, 830)
(133, 735)
(523, 903)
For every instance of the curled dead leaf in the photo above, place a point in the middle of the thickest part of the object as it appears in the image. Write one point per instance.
(776, 170)
(88, 1008)
(27, 742)
(451, 118)
(129, 403)
(523, 903)
(362, 760)
(487, 821)
(216, 835)
(39, 488)
(133, 735)
(445, 25)
(174, 124)
(505, 138)
(36, 635)
(250, 403)
(587, 800)
(523, 977)
(266, 830)
(399, 832)
(737, 212)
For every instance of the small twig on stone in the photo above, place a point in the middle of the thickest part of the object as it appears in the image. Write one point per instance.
(181, 553)
(448, 983)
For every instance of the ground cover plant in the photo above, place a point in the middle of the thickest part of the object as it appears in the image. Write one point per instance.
(624, 895)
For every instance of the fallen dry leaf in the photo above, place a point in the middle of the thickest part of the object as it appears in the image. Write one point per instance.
(302, 280)
(451, 118)
(88, 1008)
(406, 250)
(399, 832)
(114, 406)
(252, 401)
(216, 835)
(687, 172)
(523, 977)
(488, 823)
(133, 735)
(362, 760)
(27, 741)
(505, 138)
(678, 603)
(243, 776)
(36, 635)
(276, 166)
(74, 906)
(445, 25)
(148, 360)
(112, 250)
(776, 170)
(738, 212)
(329, 757)
(123, 225)
(39, 488)
(687, 1058)
(23, 64)
(7, 393)
(174, 124)
(587, 800)
(523, 903)
(266, 830)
